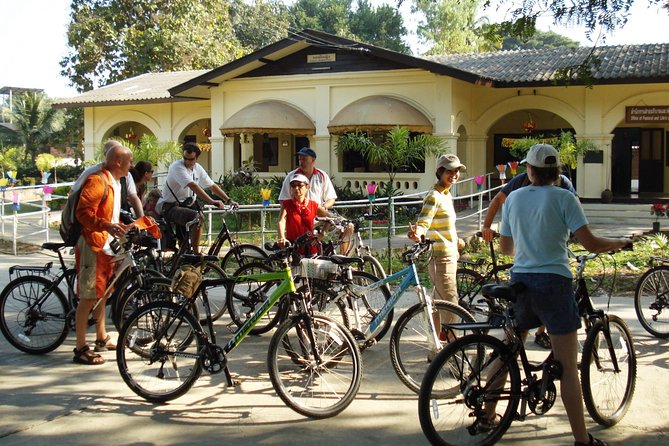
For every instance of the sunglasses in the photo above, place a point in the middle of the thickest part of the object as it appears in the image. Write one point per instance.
(298, 185)
(190, 159)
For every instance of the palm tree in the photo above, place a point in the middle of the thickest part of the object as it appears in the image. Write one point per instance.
(35, 121)
(398, 150)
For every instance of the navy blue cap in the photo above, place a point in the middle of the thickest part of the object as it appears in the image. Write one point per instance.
(306, 151)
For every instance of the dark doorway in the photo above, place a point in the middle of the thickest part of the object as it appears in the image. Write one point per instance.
(637, 161)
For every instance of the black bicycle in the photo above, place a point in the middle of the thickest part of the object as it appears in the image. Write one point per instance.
(651, 298)
(479, 370)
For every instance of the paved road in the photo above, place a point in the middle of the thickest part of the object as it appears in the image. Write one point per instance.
(47, 399)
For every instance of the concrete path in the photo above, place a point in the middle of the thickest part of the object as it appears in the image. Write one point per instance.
(49, 400)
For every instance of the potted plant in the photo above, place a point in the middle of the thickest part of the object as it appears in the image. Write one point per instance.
(658, 210)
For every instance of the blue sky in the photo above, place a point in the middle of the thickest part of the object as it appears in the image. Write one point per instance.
(34, 40)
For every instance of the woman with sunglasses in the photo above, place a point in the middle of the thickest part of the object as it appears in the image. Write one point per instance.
(298, 213)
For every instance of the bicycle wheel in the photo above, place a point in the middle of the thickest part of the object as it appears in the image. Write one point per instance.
(607, 393)
(216, 296)
(461, 386)
(158, 353)
(365, 305)
(33, 314)
(241, 255)
(372, 266)
(246, 296)
(321, 374)
(153, 289)
(651, 301)
(325, 302)
(469, 283)
(411, 344)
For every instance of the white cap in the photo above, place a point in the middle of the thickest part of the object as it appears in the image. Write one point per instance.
(299, 177)
(450, 162)
(542, 155)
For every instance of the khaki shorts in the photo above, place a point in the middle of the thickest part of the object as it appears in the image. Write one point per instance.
(94, 269)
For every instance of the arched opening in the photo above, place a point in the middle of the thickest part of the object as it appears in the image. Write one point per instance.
(199, 132)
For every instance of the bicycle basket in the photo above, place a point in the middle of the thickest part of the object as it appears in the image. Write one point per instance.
(318, 268)
(186, 280)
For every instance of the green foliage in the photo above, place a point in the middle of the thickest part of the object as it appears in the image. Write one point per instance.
(45, 162)
(9, 159)
(536, 41)
(149, 149)
(381, 26)
(35, 121)
(113, 40)
(451, 26)
(259, 23)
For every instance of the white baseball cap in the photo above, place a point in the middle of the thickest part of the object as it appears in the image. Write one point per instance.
(299, 177)
(450, 162)
(542, 155)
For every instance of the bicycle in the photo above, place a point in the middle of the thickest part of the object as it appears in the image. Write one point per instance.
(651, 298)
(36, 315)
(414, 339)
(314, 363)
(466, 375)
(470, 281)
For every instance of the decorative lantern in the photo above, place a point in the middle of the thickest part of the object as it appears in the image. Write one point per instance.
(514, 167)
(478, 179)
(3, 184)
(16, 200)
(11, 174)
(47, 190)
(371, 191)
(266, 194)
(529, 125)
(45, 176)
(501, 168)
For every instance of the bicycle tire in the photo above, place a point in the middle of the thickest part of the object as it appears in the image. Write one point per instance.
(138, 296)
(316, 388)
(469, 283)
(411, 340)
(372, 302)
(129, 279)
(31, 327)
(245, 297)
(240, 255)
(216, 296)
(453, 392)
(325, 302)
(651, 301)
(608, 394)
(158, 351)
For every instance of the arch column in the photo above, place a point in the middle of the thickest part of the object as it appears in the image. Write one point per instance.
(477, 156)
(246, 142)
(327, 160)
(219, 160)
(593, 178)
(450, 146)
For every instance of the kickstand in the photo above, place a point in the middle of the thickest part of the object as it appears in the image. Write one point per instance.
(228, 377)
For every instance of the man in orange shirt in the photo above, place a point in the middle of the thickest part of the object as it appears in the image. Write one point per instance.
(98, 212)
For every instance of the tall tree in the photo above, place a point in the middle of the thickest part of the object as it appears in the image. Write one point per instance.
(451, 26)
(381, 26)
(260, 23)
(111, 40)
(540, 40)
(36, 121)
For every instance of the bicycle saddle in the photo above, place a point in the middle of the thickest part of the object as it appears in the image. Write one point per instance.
(505, 291)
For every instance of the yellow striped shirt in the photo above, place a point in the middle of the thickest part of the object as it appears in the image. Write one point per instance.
(437, 221)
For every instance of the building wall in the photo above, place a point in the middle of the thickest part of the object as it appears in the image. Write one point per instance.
(466, 116)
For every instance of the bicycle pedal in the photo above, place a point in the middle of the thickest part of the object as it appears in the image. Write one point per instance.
(370, 342)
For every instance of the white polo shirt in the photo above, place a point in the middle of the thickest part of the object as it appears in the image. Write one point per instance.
(321, 188)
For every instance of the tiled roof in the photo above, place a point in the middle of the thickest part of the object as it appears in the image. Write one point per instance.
(149, 87)
(618, 64)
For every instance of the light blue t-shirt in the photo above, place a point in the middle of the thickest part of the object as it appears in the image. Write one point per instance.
(539, 219)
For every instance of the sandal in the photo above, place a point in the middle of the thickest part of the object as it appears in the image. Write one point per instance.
(84, 355)
(103, 345)
(593, 442)
(542, 340)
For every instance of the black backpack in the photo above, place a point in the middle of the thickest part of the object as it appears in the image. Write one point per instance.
(70, 228)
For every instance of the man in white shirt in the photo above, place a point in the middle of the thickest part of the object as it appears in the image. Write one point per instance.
(321, 189)
(186, 181)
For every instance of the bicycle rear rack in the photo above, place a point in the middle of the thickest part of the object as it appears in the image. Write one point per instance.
(21, 270)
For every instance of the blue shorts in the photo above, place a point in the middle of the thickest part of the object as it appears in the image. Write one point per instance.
(548, 300)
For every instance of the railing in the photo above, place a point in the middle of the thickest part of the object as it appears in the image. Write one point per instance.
(466, 196)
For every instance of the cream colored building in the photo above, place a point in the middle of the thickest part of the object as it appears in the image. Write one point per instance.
(307, 89)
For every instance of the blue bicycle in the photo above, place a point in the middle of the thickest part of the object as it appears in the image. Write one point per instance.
(365, 305)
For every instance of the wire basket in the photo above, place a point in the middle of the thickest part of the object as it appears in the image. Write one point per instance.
(318, 268)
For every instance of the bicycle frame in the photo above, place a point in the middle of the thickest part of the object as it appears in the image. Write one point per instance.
(409, 277)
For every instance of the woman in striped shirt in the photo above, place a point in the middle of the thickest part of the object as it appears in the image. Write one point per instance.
(437, 223)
